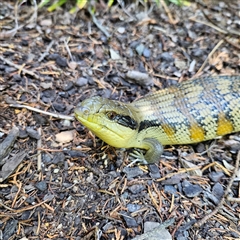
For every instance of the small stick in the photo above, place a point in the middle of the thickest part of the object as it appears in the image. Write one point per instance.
(47, 51)
(39, 155)
(19, 67)
(209, 55)
(96, 22)
(56, 115)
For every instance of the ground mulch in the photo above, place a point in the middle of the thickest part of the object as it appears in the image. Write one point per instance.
(59, 181)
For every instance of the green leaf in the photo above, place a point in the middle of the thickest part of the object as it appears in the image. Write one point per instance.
(59, 3)
(81, 3)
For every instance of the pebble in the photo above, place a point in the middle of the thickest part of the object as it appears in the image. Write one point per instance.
(80, 82)
(53, 56)
(74, 153)
(60, 107)
(132, 172)
(166, 56)
(23, 133)
(217, 190)
(154, 171)
(17, 78)
(61, 61)
(147, 52)
(133, 207)
(10, 228)
(137, 188)
(33, 133)
(216, 176)
(191, 190)
(49, 93)
(41, 119)
(46, 158)
(63, 94)
(67, 86)
(10, 69)
(42, 185)
(130, 222)
(121, 30)
(58, 158)
(170, 189)
(140, 49)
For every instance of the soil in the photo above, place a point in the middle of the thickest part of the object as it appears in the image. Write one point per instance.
(59, 181)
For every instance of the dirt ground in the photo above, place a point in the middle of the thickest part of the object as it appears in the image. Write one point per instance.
(59, 181)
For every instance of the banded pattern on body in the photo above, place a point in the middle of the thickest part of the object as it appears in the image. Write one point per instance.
(192, 111)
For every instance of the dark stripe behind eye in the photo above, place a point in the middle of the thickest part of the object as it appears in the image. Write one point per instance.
(126, 121)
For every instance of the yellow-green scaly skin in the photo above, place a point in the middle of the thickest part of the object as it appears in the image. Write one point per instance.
(189, 112)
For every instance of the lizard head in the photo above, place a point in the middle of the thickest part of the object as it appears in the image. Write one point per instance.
(112, 121)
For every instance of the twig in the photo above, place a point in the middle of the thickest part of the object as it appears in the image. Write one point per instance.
(233, 44)
(209, 25)
(228, 31)
(12, 32)
(126, 12)
(68, 50)
(39, 155)
(219, 206)
(56, 115)
(96, 22)
(47, 51)
(209, 55)
(168, 13)
(19, 67)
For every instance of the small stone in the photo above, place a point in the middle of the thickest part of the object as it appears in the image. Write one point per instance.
(17, 78)
(33, 133)
(67, 86)
(114, 55)
(41, 119)
(146, 53)
(154, 171)
(191, 190)
(74, 153)
(23, 134)
(166, 56)
(133, 207)
(135, 189)
(170, 189)
(121, 30)
(197, 52)
(46, 158)
(46, 85)
(48, 95)
(173, 180)
(10, 69)
(42, 186)
(140, 49)
(61, 61)
(24, 43)
(58, 158)
(60, 107)
(217, 190)
(56, 170)
(80, 82)
(132, 172)
(53, 56)
(216, 176)
(130, 221)
(9, 229)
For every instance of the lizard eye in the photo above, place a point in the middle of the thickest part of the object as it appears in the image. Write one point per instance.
(111, 115)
